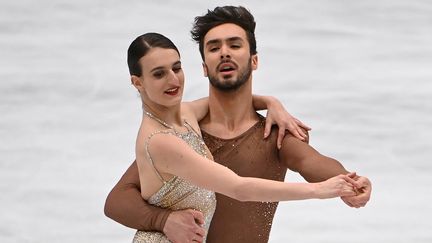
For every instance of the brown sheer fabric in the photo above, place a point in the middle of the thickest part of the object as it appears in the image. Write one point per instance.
(125, 205)
(248, 155)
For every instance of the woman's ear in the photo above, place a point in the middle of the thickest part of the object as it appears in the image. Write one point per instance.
(137, 82)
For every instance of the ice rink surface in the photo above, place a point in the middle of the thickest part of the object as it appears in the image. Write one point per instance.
(358, 72)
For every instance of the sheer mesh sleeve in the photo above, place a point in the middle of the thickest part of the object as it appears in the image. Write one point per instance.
(125, 205)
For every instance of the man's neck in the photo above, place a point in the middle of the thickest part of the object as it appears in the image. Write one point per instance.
(230, 113)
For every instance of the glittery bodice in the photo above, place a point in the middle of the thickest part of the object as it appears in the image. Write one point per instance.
(177, 194)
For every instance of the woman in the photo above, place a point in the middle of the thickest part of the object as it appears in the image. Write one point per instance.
(175, 167)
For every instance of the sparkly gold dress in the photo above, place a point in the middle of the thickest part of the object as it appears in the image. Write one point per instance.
(176, 193)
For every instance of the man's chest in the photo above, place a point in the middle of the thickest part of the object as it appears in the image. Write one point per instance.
(252, 157)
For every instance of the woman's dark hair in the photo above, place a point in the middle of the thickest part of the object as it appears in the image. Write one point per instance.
(222, 15)
(142, 45)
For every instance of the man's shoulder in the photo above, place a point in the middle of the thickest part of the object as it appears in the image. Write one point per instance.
(288, 134)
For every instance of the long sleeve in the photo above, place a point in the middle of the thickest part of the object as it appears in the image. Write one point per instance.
(125, 205)
(314, 167)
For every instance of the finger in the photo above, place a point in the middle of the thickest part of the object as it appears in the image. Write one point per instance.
(348, 191)
(356, 205)
(300, 131)
(347, 202)
(352, 175)
(198, 216)
(364, 182)
(344, 193)
(200, 231)
(362, 199)
(281, 135)
(293, 131)
(267, 129)
(352, 181)
(301, 124)
(357, 201)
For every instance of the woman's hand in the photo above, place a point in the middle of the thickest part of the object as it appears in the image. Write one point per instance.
(364, 191)
(338, 186)
(276, 114)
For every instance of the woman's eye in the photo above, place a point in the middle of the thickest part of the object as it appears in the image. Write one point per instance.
(158, 74)
(177, 69)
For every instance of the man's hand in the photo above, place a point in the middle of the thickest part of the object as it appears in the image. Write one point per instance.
(364, 193)
(276, 114)
(184, 226)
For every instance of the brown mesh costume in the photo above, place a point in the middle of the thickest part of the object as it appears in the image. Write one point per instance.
(248, 155)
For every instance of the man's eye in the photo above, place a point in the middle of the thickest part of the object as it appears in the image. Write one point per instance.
(213, 49)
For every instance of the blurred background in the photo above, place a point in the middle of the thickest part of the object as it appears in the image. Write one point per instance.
(358, 72)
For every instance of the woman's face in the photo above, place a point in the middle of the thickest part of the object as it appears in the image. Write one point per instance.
(162, 77)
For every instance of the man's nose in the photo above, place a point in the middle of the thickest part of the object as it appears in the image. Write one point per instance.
(225, 52)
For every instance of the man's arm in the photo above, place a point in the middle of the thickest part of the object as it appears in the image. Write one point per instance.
(315, 167)
(125, 205)
(300, 157)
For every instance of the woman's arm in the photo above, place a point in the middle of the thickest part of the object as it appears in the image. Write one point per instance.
(276, 114)
(184, 162)
(198, 107)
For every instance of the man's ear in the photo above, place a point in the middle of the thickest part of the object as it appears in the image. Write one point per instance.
(137, 82)
(205, 69)
(254, 62)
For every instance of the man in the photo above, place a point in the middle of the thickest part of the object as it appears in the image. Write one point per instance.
(233, 132)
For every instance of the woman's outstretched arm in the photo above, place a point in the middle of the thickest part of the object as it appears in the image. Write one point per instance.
(184, 162)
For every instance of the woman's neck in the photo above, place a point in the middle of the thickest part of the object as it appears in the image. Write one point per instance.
(171, 116)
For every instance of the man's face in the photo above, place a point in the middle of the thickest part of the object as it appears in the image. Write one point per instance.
(227, 60)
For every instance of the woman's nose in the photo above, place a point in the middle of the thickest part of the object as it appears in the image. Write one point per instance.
(173, 78)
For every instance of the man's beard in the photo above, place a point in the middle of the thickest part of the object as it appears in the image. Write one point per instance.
(234, 85)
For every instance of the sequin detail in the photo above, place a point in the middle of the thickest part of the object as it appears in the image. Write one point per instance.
(177, 194)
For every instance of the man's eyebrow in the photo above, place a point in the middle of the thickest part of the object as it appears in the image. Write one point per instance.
(235, 38)
(230, 39)
(214, 41)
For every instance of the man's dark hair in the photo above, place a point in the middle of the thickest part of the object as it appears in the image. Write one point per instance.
(223, 15)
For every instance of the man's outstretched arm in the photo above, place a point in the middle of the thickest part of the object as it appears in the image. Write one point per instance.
(315, 167)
